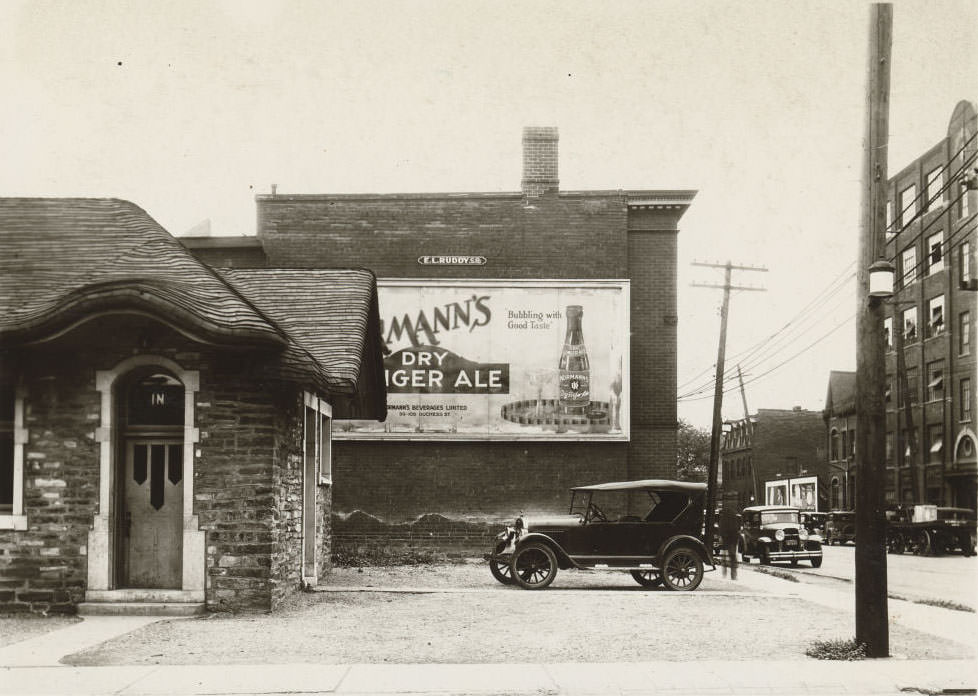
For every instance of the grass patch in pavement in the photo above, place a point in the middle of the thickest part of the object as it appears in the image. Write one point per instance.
(783, 574)
(847, 650)
(944, 604)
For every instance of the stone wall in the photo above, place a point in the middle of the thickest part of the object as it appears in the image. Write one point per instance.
(247, 473)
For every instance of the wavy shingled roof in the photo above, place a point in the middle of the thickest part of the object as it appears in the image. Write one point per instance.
(64, 258)
(327, 312)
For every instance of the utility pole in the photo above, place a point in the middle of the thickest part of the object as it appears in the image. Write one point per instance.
(750, 429)
(872, 624)
(711, 480)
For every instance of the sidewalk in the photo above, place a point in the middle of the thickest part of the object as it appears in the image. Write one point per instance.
(31, 667)
(867, 677)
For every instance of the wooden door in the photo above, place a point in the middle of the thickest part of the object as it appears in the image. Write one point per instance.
(153, 514)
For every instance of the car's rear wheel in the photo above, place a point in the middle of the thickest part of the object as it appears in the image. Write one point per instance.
(647, 578)
(534, 566)
(682, 569)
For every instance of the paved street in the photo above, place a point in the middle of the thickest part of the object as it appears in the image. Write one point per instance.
(952, 577)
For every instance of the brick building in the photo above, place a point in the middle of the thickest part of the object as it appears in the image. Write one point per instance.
(489, 281)
(930, 322)
(776, 457)
(840, 429)
(164, 429)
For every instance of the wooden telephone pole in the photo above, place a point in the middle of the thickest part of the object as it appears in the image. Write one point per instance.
(711, 480)
(872, 623)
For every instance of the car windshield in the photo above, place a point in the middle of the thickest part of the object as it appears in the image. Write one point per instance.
(629, 505)
(779, 516)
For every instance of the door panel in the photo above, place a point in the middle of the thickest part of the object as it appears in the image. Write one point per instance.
(153, 514)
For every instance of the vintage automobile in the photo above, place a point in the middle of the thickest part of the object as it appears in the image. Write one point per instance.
(814, 521)
(661, 545)
(775, 533)
(947, 530)
(840, 527)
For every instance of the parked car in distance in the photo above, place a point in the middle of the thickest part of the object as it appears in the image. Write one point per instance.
(652, 529)
(775, 533)
(814, 521)
(840, 527)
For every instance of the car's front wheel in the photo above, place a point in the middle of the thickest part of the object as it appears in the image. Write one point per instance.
(534, 566)
(817, 562)
(765, 557)
(647, 578)
(682, 569)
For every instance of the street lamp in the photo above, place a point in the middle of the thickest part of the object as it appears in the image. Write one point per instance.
(881, 274)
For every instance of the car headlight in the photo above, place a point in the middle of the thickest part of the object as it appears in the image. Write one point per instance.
(779, 535)
(803, 534)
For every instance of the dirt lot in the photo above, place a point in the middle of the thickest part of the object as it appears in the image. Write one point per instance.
(585, 617)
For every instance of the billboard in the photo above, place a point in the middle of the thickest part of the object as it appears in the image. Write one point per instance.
(801, 492)
(502, 359)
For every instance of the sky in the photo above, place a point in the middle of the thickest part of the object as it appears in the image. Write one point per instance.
(190, 109)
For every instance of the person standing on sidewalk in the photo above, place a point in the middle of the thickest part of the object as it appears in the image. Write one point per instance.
(729, 533)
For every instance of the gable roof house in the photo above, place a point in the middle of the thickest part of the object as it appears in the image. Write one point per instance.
(164, 428)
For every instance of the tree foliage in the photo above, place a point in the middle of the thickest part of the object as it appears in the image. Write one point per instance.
(692, 452)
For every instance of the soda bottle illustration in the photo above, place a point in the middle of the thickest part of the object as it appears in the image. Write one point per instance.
(574, 369)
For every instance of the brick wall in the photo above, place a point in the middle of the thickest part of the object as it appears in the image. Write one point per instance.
(247, 479)
(452, 496)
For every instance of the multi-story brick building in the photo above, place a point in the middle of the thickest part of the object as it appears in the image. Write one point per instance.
(930, 322)
(491, 283)
(776, 457)
(165, 430)
(840, 431)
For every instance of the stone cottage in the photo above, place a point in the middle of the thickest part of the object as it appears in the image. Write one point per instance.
(165, 428)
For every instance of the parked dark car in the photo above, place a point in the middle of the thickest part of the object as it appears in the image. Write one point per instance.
(775, 533)
(840, 527)
(814, 521)
(652, 529)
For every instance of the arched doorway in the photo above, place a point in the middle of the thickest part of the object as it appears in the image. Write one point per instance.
(150, 476)
(123, 442)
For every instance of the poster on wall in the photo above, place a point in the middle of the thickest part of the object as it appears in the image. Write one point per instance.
(801, 493)
(776, 492)
(507, 360)
(804, 493)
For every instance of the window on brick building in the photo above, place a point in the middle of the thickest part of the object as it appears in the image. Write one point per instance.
(935, 253)
(964, 333)
(935, 380)
(909, 439)
(908, 204)
(12, 438)
(851, 452)
(889, 448)
(934, 194)
(890, 227)
(834, 445)
(964, 398)
(935, 316)
(935, 442)
(888, 333)
(965, 273)
(910, 325)
(908, 265)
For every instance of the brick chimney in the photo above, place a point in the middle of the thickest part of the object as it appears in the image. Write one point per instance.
(539, 161)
